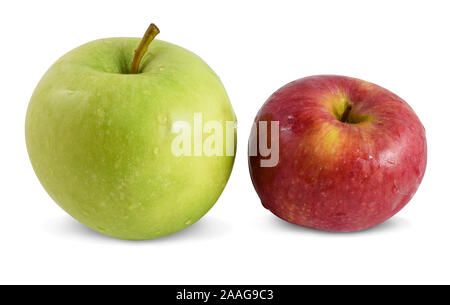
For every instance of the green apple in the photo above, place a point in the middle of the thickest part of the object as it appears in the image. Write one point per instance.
(99, 137)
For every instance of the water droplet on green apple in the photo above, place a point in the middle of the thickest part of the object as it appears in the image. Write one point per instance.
(101, 229)
(134, 206)
(100, 112)
(162, 119)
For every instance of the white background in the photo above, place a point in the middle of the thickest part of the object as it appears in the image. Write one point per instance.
(255, 47)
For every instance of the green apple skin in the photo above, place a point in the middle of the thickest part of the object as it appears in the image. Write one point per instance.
(99, 139)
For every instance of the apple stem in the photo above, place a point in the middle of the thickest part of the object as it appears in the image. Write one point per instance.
(149, 35)
(344, 117)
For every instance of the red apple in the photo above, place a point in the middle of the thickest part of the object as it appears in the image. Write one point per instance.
(351, 154)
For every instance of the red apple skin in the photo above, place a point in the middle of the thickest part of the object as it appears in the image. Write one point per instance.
(337, 176)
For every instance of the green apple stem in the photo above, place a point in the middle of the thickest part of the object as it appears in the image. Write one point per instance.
(346, 113)
(149, 35)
